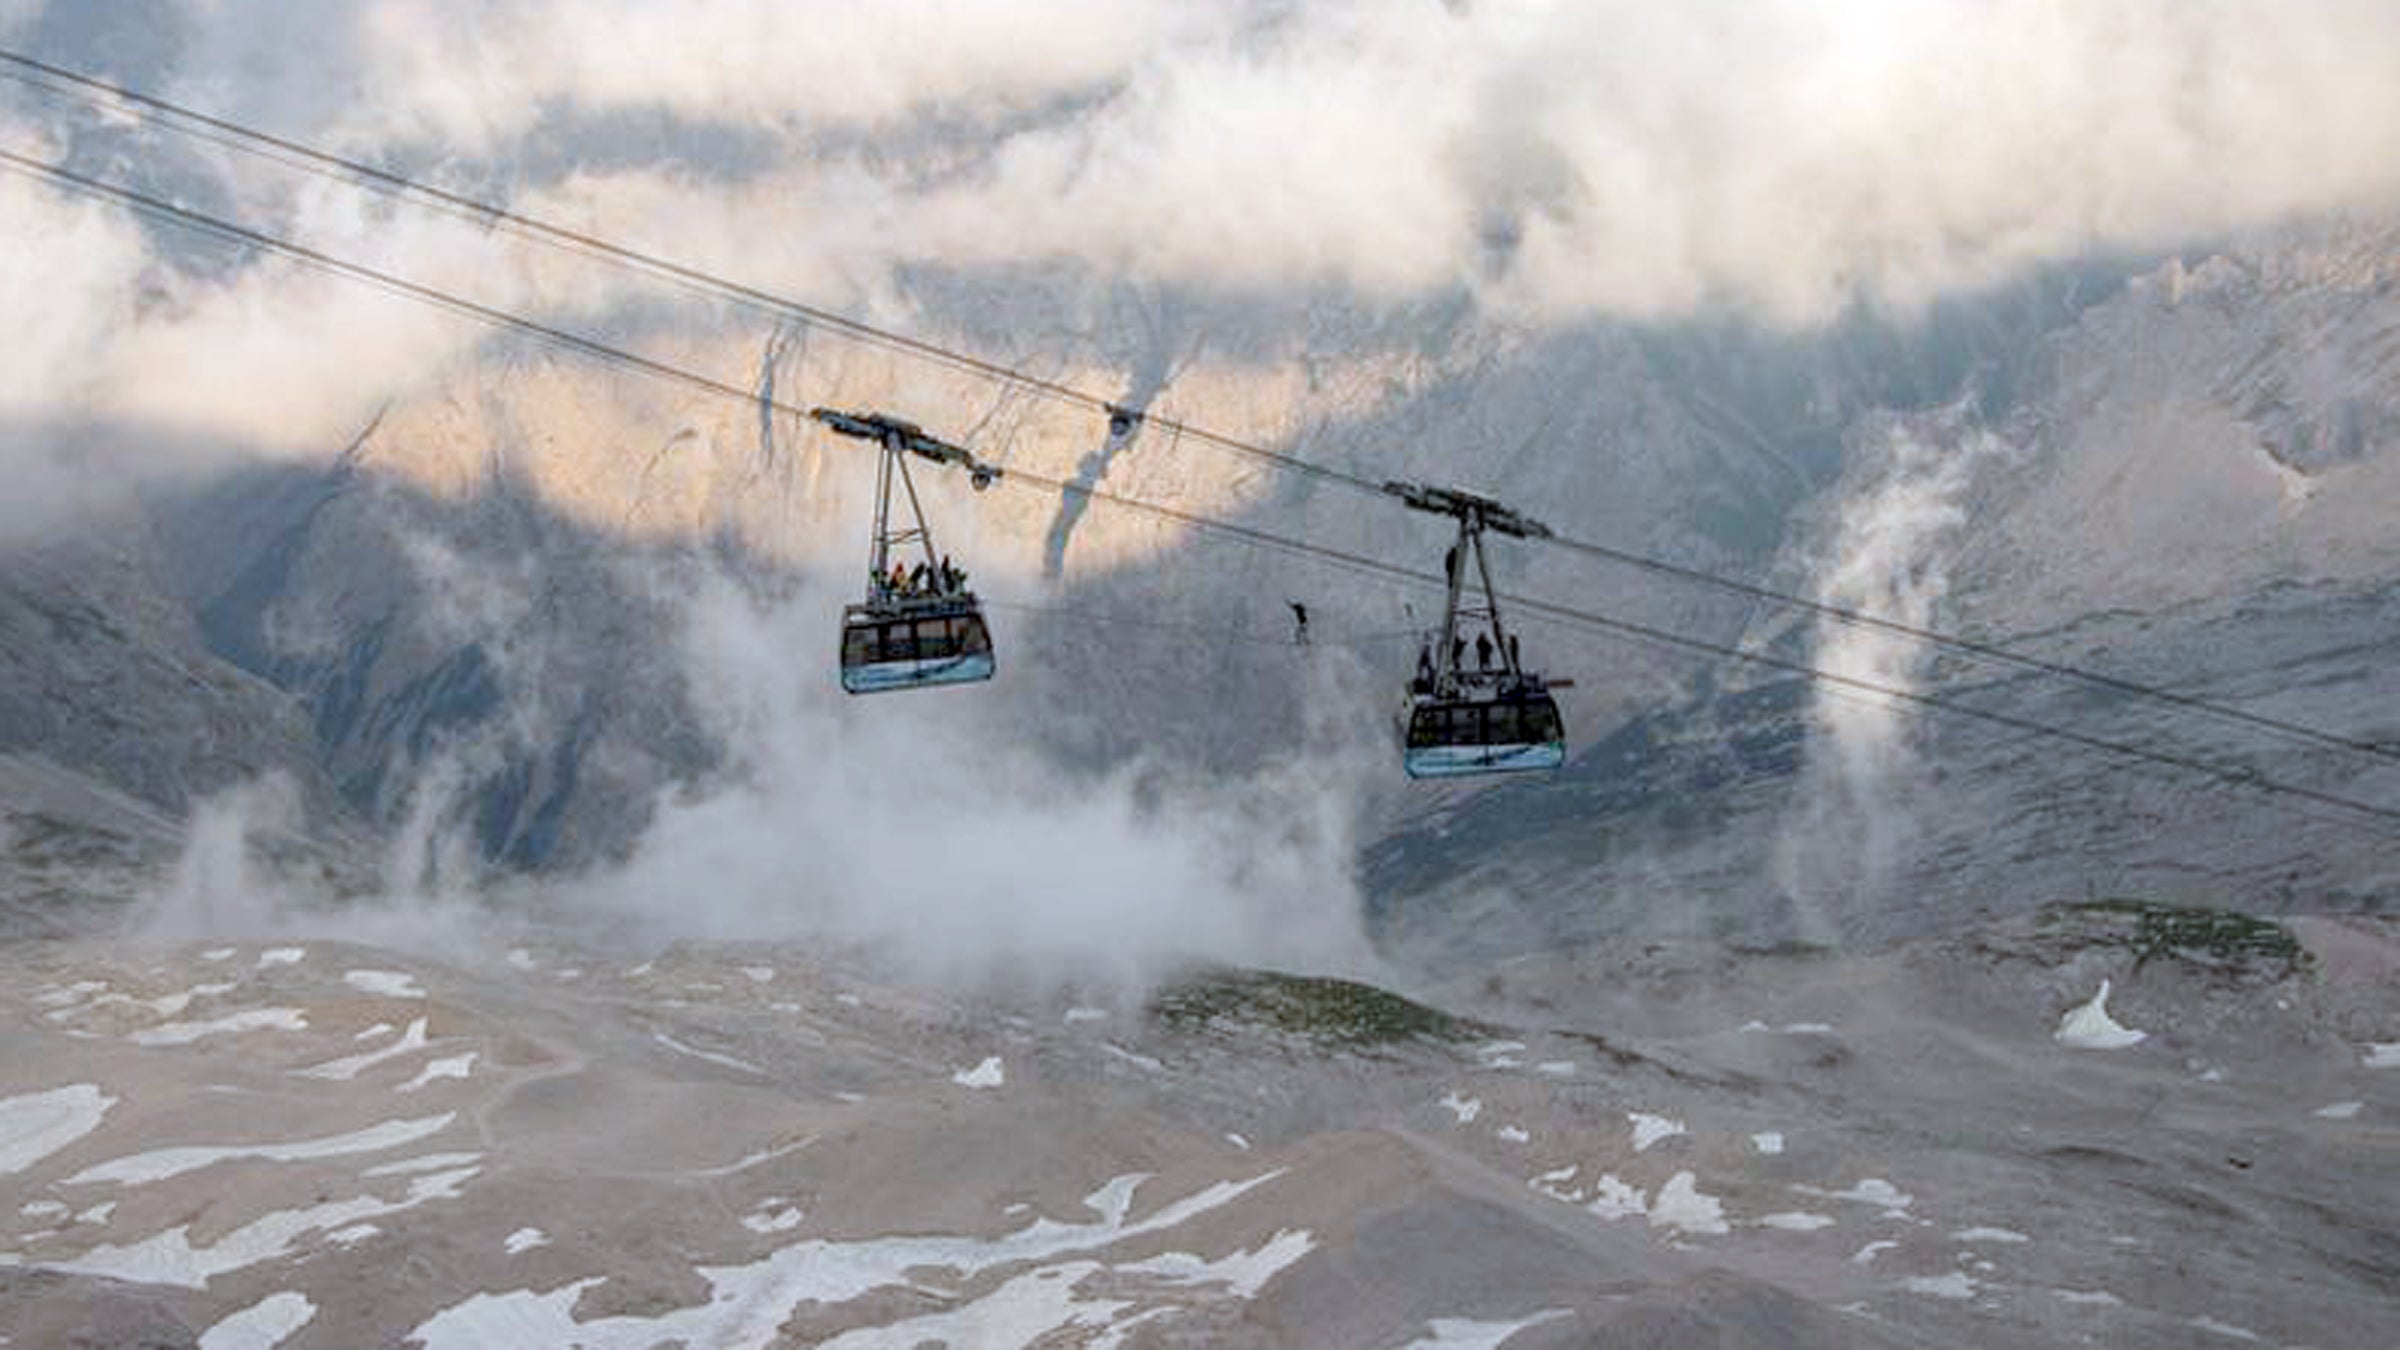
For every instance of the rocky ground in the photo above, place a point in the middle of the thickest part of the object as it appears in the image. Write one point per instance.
(533, 1142)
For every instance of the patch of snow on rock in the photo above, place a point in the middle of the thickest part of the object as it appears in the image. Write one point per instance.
(1614, 1198)
(524, 1240)
(989, 1074)
(160, 1164)
(1459, 1333)
(170, 1258)
(2088, 1297)
(1796, 1221)
(387, 983)
(1085, 1015)
(747, 1303)
(1988, 1235)
(1682, 1207)
(2383, 1055)
(281, 956)
(449, 1066)
(1955, 1285)
(1769, 1142)
(1513, 1135)
(1464, 1107)
(1868, 1253)
(345, 1069)
(2217, 1328)
(423, 1162)
(1649, 1129)
(758, 974)
(1241, 1274)
(261, 1326)
(1869, 1191)
(2089, 1027)
(2339, 1111)
(38, 1124)
(780, 1221)
(232, 1024)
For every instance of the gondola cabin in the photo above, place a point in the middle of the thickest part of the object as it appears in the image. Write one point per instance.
(916, 645)
(1488, 733)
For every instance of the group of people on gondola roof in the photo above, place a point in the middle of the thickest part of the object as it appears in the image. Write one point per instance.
(939, 580)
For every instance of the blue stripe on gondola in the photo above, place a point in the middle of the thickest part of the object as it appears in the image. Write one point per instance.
(1455, 761)
(884, 676)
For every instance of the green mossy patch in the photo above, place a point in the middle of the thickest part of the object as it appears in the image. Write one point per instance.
(1336, 1014)
(2220, 939)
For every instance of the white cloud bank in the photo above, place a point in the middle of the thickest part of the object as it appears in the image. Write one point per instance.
(1783, 158)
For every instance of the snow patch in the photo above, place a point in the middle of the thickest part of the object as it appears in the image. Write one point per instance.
(1867, 1253)
(1869, 1191)
(758, 974)
(160, 1164)
(2383, 1055)
(749, 1303)
(1463, 1107)
(38, 1124)
(41, 1209)
(2228, 1329)
(387, 983)
(343, 1070)
(1955, 1285)
(449, 1066)
(1556, 1068)
(218, 954)
(1613, 1199)
(520, 959)
(1459, 1333)
(524, 1240)
(709, 1056)
(2089, 1027)
(256, 1019)
(1085, 1015)
(98, 1214)
(1241, 1274)
(261, 1326)
(2088, 1297)
(281, 956)
(1512, 1134)
(1769, 1142)
(2339, 1111)
(780, 1221)
(1796, 1221)
(423, 1162)
(1649, 1129)
(1988, 1235)
(1682, 1207)
(170, 1258)
(989, 1074)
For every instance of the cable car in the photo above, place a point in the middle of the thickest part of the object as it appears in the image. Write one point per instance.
(917, 627)
(1494, 716)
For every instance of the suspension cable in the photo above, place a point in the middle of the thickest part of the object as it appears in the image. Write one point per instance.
(59, 81)
(190, 218)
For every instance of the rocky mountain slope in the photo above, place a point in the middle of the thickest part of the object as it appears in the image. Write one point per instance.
(550, 1144)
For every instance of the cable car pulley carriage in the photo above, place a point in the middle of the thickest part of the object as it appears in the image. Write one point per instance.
(1488, 718)
(921, 627)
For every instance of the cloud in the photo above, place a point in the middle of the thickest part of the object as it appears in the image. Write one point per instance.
(913, 826)
(1560, 162)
